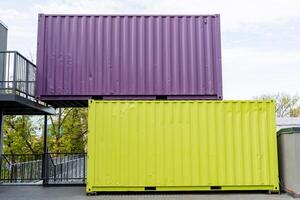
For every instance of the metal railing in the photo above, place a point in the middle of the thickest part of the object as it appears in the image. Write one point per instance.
(17, 75)
(20, 168)
(59, 168)
(66, 168)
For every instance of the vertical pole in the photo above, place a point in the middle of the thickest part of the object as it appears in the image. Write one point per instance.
(15, 73)
(45, 154)
(1, 131)
(27, 77)
(2, 69)
(1, 140)
(84, 161)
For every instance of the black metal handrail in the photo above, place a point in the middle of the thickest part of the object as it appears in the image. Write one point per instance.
(17, 75)
(5, 158)
(67, 168)
(20, 168)
(61, 168)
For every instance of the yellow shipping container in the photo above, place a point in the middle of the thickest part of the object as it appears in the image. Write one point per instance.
(182, 145)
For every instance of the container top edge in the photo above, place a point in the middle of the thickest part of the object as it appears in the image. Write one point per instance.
(290, 130)
(130, 15)
(187, 101)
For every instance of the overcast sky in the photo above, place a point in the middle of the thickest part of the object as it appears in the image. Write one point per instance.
(260, 39)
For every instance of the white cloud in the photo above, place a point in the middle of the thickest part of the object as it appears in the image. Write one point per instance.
(268, 59)
(80, 7)
(13, 14)
(251, 72)
(235, 13)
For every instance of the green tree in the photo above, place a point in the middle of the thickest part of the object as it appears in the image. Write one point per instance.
(67, 132)
(286, 105)
(20, 135)
(295, 112)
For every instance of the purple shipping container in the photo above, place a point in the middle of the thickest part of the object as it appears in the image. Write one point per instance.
(122, 56)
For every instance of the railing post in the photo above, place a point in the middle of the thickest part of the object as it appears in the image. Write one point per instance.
(27, 76)
(2, 70)
(84, 160)
(54, 173)
(45, 170)
(15, 72)
(12, 168)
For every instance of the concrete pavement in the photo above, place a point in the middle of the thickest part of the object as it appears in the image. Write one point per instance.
(78, 193)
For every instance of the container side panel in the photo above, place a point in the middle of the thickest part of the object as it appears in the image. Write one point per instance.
(183, 144)
(129, 55)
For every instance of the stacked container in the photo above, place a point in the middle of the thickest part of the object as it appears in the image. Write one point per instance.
(159, 122)
(128, 57)
(181, 145)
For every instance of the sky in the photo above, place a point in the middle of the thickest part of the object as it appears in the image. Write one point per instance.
(260, 39)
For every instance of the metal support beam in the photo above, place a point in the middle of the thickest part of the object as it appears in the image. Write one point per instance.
(1, 131)
(1, 139)
(45, 173)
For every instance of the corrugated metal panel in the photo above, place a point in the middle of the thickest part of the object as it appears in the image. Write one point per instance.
(182, 145)
(83, 56)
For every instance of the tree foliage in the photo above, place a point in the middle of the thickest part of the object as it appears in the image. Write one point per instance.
(286, 105)
(66, 132)
(19, 135)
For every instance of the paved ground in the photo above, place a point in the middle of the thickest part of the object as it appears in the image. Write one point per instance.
(78, 193)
